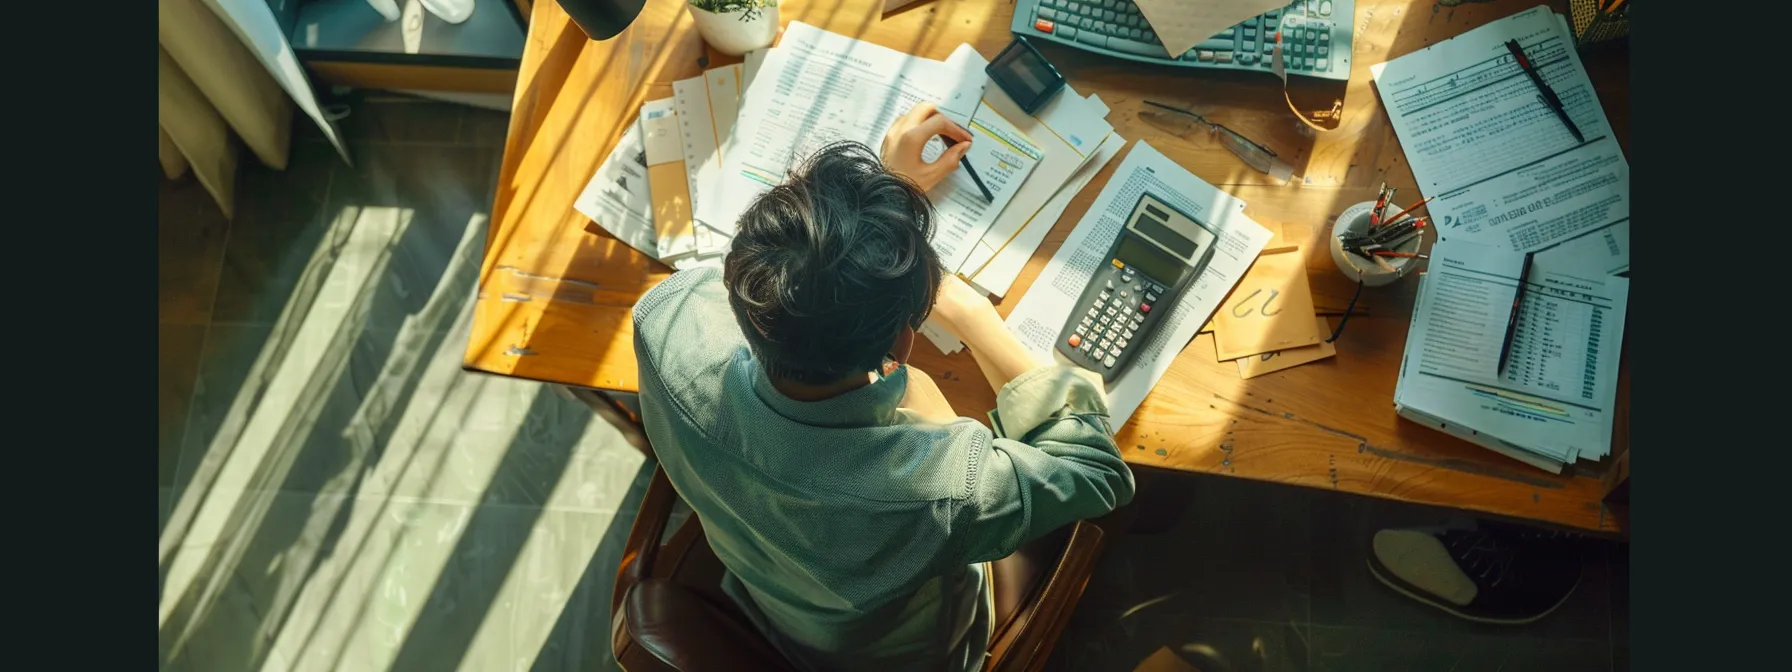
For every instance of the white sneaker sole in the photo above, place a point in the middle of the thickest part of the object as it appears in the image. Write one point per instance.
(1453, 611)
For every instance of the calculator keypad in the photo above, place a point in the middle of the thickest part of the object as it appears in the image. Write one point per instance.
(1111, 324)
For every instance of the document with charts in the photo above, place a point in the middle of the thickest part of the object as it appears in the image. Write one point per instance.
(1557, 392)
(1039, 318)
(1502, 167)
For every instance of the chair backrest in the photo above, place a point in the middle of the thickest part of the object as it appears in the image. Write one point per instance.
(679, 630)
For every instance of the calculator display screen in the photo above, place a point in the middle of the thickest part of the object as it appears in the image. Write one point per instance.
(1150, 260)
(1156, 230)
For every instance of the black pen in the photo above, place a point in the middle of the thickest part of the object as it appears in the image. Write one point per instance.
(1549, 94)
(1512, 321)
(966, 162)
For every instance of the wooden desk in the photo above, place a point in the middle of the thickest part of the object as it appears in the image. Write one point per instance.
(553, 302)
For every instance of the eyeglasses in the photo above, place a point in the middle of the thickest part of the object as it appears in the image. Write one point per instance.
(1184, 122)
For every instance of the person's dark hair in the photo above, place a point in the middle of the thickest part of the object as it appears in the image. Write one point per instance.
(827, 267)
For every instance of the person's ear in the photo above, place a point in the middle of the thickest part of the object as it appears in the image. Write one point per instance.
(904, 345)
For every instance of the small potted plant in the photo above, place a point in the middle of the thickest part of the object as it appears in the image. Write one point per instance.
(735, 27)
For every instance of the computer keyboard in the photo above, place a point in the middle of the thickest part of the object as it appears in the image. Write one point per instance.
(1315, 35)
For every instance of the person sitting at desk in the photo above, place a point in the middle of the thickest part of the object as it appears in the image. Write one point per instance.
(850, 505)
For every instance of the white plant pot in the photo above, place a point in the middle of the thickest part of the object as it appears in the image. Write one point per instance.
(732, 36)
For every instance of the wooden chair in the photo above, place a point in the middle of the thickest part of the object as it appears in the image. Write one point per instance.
(669, 613)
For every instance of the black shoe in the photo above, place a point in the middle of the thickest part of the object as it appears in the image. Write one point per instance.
(1484, 572)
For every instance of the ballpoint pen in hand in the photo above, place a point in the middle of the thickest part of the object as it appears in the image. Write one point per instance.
(1184, 122)
(966, 162)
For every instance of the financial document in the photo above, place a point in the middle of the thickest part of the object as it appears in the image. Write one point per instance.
(1038, 319)
(1559, 386)
(817, 87)
(1003, 157)
(1502, 167)
(997, 275)
(617, 197)
(1070, 129)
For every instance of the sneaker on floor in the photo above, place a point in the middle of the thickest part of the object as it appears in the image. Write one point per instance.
(1480, 571)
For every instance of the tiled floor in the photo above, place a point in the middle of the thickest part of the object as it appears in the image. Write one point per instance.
(335, 493)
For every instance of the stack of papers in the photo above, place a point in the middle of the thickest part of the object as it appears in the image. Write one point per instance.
(738, 130)
(1553, 403)
(1508, 178)
(1501, 167)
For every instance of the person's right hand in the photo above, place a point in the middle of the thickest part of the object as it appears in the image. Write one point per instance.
(961, 309)
(903, 142)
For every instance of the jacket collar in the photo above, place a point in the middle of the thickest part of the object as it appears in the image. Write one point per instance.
(869, 406)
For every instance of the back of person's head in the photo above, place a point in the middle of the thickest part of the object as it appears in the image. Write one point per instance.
(828, 267)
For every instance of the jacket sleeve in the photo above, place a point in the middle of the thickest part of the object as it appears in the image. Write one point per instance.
(1063, 467)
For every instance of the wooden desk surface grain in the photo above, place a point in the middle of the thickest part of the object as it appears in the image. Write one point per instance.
(553, 301)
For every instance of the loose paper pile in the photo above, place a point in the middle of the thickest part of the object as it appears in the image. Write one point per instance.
(816, 87)
(1508, 178)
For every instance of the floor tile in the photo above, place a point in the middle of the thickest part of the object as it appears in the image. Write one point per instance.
(1618, 559)
(1109, 640)
(164, 497)
(190, 237)
(177, 366)
(279, 226)
(441, 198)
(484, 128)
(1347, 649)
(375, 412)
(325, 581)
(1239, 550)
(395, 118)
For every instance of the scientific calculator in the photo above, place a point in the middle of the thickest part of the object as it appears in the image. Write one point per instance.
(1158, 253)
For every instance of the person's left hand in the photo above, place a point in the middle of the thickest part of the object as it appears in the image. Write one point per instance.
(905, 139)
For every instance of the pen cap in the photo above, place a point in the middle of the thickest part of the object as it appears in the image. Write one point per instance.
(1355, 221)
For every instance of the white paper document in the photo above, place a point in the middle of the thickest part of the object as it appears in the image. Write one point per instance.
(997, 275)
(1003, 157)
(1070, 129)
(617, 197)
(817, 87)
(1559, 386)
(1039, 317)
(707, 107)
(1502, 167)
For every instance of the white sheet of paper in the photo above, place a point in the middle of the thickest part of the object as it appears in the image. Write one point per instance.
(1560, 384)
(1181, 24)
(1502, 167)
(1004, 158)
(707, 108)
(817, 87)
(617, 197)
(1070, 130)
(998, 275)
(1039, 317)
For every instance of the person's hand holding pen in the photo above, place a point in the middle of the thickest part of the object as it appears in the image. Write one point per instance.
(909, 135)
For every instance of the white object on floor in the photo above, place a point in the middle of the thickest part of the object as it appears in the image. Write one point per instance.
(452, 11)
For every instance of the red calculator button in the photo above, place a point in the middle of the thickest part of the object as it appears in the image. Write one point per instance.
(1144, 307)
(1043, 25)
(1076, 340)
